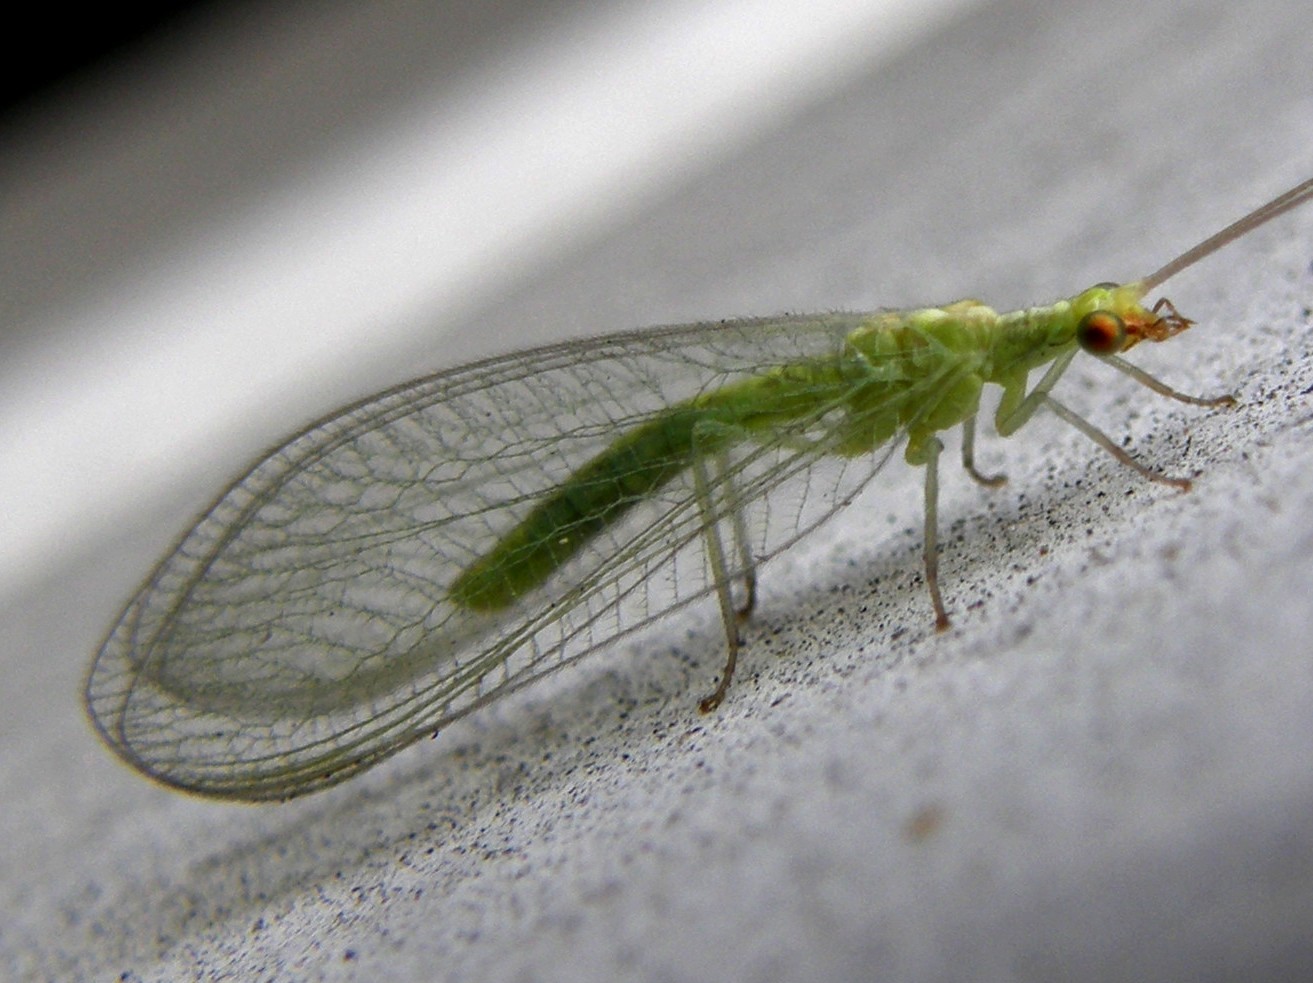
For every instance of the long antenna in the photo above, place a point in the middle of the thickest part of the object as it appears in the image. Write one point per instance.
(1279, 205)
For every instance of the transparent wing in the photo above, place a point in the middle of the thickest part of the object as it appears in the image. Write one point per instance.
(300, 631)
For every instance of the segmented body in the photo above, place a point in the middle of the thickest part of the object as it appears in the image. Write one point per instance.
(919, 372)
(425, 551)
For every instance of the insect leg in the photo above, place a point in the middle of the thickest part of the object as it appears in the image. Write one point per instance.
(739, 527)
(706, 491)
(969, 456)
(931, 535)
(1162, 388)
(1012, 418)
(1106, 442)
(1009, 423)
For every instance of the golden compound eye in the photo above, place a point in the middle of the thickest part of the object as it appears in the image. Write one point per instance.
(1101, 333)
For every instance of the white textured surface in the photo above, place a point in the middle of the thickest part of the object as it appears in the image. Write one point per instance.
(1101, 772)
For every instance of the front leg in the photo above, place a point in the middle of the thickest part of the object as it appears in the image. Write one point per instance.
(1018, 406)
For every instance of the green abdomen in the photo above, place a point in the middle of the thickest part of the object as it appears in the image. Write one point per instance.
(850, 402)
(637, 465)
(633, 468)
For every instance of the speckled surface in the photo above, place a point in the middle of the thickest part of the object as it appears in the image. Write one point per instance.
(1102, 771)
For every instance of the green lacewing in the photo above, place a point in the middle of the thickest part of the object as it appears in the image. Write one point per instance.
(434, 547)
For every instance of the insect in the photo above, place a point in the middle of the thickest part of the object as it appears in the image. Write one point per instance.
(434, 547)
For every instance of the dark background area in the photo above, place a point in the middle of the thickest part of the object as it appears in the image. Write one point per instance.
(54, 51)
